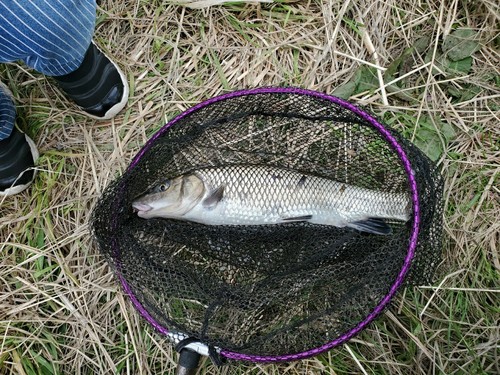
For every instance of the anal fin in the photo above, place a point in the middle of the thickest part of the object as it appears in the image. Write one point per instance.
(371, 225)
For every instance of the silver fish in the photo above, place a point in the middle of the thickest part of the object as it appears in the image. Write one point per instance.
(258, 194)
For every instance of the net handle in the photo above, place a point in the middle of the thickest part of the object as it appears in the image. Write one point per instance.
(189, 361)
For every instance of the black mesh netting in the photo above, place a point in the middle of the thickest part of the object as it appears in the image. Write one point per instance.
(268, 289)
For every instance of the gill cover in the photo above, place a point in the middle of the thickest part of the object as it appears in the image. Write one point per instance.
(173, 198)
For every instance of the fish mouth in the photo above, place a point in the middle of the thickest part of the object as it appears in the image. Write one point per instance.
(141, 208)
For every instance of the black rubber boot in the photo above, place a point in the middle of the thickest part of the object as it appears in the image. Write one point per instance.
(17, 160)
(98, 86)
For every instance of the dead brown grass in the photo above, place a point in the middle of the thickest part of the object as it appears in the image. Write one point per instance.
(60, 303)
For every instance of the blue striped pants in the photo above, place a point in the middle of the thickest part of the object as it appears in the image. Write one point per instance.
(50, 36)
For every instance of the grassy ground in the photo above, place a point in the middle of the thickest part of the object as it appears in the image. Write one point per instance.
(61, 311)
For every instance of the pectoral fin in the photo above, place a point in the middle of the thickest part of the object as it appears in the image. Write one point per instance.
(372, 225)
(213, 198)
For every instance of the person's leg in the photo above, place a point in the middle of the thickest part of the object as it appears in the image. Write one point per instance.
(55, 38)
(50, 36)
(7, 113)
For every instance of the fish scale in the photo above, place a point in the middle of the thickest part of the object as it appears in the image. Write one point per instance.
(263, 190)
(276, 195)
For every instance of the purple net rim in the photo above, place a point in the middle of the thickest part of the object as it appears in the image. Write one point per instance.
(413, 238)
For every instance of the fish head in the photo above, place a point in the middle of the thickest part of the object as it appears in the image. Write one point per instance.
(170, 198)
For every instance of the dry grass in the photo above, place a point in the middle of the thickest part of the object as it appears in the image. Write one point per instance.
(61, 311)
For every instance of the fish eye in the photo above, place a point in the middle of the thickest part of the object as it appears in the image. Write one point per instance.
(162, 187)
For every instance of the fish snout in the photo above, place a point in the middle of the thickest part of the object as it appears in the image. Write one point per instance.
(141, 208)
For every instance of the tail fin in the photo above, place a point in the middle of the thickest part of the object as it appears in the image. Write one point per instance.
(372, 225)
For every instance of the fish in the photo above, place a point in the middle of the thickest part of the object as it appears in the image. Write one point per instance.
(263, 194)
